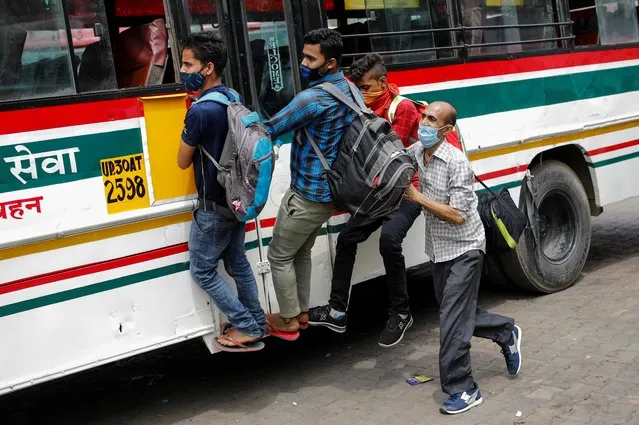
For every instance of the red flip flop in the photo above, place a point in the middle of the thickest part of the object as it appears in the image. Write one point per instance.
(286, 336)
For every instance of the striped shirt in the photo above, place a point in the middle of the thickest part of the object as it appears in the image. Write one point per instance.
(326, 119)
(448, 178)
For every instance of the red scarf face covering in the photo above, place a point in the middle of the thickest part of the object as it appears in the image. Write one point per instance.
(381, 104)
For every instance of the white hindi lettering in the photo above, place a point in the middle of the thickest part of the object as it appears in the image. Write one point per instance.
(17, 169)
(56, 165)
(53, 162)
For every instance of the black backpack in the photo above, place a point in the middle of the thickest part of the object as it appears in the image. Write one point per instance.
(503, 221)
(372, 170)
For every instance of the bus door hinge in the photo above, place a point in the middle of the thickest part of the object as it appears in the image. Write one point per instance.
(263, 267)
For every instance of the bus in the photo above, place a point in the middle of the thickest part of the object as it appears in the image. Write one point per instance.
(95, 213)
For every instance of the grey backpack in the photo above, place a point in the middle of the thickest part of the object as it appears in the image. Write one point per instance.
(246, 165)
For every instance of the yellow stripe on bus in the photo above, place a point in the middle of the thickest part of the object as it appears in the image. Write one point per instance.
(97, 235)
(489, 153)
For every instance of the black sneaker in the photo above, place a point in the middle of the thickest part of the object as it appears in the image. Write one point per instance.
(395, 329)
(321, 316)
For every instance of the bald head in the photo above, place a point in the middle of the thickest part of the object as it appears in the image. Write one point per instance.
(444, 113)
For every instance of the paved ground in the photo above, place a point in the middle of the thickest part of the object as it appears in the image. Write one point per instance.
(580, 347)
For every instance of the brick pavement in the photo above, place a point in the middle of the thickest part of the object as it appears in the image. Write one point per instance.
(581, 348)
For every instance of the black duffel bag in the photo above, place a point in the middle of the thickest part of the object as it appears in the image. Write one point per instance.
(503, 221)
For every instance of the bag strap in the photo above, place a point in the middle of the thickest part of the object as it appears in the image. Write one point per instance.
(357, 95)
(339, 95)
(209, 156)
(485, 186)
(222, 99)
(216, 97)
(317, 150)
(393, 107)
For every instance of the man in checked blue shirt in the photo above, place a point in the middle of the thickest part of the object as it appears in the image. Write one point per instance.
(308, 203)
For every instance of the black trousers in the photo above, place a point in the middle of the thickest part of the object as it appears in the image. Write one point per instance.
(460, 318)
(357, 230)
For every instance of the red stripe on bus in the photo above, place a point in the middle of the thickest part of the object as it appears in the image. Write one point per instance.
(264, 223)
(509, 66)
(502, 173)
(85, 270)
(613, 148)
(68, 115)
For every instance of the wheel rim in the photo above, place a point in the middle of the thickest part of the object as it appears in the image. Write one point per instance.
(558, 226)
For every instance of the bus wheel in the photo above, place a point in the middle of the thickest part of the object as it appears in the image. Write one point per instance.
(564, 215)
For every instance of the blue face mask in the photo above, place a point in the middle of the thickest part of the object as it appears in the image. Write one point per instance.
(309, 74)
(428, 136)
(192, 81)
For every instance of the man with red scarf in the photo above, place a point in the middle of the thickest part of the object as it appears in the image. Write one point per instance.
(369, 74)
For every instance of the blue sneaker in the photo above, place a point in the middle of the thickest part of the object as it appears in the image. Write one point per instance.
(460, 402)
(512, 352)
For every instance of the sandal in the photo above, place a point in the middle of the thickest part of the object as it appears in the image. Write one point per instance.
(286, 336)
(237, 346)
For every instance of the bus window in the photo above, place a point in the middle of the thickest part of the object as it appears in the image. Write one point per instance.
(402, 31)
(202, 16)
(114, 44)
(132, 46)
(91, 44)
(527, 26)
(604, 22)
(273, 65)
(34, 56)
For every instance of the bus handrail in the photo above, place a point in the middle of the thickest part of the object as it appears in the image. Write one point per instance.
(460, 46)
(396, 52)
(455, 29)
(506, 43)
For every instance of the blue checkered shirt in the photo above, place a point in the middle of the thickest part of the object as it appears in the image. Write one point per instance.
(326, 119)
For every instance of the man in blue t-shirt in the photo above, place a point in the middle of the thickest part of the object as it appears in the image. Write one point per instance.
(215, 232)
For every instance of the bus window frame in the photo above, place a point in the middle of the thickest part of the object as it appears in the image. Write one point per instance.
(564, 34)
(177, 22)
(175, 27)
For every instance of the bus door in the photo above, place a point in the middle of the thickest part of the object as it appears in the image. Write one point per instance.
(264, 38)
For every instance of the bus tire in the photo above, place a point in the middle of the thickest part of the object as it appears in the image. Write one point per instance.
(564, 215)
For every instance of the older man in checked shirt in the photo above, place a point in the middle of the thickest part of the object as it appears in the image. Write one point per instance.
(456, 243)
(309, 201)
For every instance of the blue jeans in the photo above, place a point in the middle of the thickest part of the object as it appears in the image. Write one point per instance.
(214, 237)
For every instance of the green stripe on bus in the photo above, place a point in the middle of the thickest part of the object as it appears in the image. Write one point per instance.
(95, 288)
(615, 160)
(498, 187)
(92, 149)
(513, 95)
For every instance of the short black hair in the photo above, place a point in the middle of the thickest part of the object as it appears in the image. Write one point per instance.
(371, 62)
(330, 42)
(208, 47)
